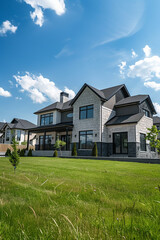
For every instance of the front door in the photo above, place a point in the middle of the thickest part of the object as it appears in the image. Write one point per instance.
(41, 142)
(67, 141)
(120, 143)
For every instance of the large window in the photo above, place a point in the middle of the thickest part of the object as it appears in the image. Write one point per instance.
(86, 140)
(47, 144)
(142, 142)
(46, 119)
(86, 112)
(120, 143)
(7, 134)
(18, 135)
(146, 112)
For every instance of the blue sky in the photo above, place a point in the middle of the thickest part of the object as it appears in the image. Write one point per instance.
(47, 46)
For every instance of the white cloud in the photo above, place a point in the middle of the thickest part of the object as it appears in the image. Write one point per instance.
(153, 85)
(39, 88)
(134, 54)
(7, 27)
(146, 68)
(157, 107)
(147, 51)
(4, 93)
(39, 5)
(122, 66)
(18, 98)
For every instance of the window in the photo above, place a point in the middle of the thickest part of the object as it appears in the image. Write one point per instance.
(18, 135)
(146, 112)
(46, 119)
(48, 140)
(158, 127)
(86, 140)
(7, 135)
(70, 115)
(86, 112)
(142, 142)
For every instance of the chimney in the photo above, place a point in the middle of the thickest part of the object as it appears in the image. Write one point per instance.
(64, 97)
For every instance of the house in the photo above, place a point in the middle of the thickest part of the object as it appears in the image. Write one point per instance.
(156, 122)
(18, 128)
(1, 132)
(112, 118)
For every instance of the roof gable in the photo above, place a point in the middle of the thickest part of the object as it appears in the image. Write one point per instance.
(104, 94)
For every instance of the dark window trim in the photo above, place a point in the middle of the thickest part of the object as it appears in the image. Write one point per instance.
(85, 138)
(120, 140)
(86, 109)
(145, 149)
(44, 116)
(146, 112)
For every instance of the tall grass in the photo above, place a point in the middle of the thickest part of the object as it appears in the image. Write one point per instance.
(51, 198)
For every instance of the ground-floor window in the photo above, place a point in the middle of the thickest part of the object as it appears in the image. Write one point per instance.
(7, 134)
(18, 135)
(45, 145)
(86, 139)
(120, 143)
(142, 142)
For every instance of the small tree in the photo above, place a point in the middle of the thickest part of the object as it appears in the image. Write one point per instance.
(30, 153)
(59, 144)
(8, 152)
(74, 150)
(22, 152)
(95, 150)
(14, 157)
(55, 154)
(152, 136)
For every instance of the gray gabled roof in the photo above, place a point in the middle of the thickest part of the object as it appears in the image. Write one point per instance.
(1, 125)
(17, 123)
(156, 120)
(56, 106)
(136, 99)
(127, 119)
(104, 94)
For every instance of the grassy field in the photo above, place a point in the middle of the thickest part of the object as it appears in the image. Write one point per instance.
(51, 198)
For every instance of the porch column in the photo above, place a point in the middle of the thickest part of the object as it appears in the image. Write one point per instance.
(28, 140)
(66, 139)
(44, 138)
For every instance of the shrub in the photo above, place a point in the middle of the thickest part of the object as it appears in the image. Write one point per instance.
(19, 151)
(55, 154)
(24, 143)
(95, 150)
(74, 150)
(22, 152)
(8, 152)
(30, 153)
(14, 157)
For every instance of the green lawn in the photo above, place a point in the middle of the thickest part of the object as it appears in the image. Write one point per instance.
(51, 198)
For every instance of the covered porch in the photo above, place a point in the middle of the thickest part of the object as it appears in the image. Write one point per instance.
(46, 136)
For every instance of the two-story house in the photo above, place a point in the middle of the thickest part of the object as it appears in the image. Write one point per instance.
(18, 128)
(112, 118)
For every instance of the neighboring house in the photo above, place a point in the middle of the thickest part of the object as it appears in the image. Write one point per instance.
(18, 128)
(112, 118)
(156, 121)
(1, 132)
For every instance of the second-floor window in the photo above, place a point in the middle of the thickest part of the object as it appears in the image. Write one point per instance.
(146, 112)
(86, 112)
(18, 135)
(142, 142)
(46, 119)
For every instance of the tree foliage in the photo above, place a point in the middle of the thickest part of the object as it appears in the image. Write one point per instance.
(8, 152)
(152, 136)
(55, 154)
(30, 153)
(95, 150)
(74, 150)
(59, 144)
(14, 156)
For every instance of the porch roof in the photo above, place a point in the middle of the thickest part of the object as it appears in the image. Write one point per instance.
(60, 127)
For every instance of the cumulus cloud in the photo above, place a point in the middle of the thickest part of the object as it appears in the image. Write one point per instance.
(147, 51)
(134, 54)
(4, 93)
(153, 85)
(39, 88)
(122, 66)
(40, 5)
(157, 107)
(7, 27)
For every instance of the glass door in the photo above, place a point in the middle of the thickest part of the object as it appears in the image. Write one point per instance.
(120, 143)
(41, 142)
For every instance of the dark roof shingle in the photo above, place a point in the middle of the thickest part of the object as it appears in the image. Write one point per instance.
(156, 120)
(17, 123)
(132, 99)
(127, 119)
